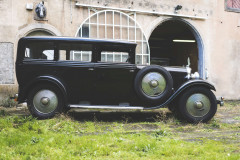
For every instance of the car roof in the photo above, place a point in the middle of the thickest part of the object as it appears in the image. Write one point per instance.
(76, 39)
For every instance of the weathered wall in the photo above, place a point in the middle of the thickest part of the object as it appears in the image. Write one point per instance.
(225, 52)
(220, 32)
(7, 64)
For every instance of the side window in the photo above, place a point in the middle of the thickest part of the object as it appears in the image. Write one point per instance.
(40, 50)
(75, 52)
(117, 57)
(81, 55)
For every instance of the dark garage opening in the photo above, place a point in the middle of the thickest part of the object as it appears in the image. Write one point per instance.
(171, 43)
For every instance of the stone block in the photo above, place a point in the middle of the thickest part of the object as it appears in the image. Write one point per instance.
(6, 63)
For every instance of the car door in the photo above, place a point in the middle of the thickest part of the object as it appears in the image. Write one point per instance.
(114, 80)
(75, 68)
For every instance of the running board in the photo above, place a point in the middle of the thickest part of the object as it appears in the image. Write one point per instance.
(105, 107)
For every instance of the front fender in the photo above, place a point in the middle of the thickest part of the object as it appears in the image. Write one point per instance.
(23, 92)
(186, 85)
(195, 82)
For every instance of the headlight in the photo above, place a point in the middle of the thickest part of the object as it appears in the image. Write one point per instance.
(195, 75)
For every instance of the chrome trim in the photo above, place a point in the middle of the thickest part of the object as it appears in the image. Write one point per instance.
(45, 101)
(153, 84)
(141, 66)
(198, 105)
(176, 69)
(168, 68)
(189, 70)
(221, 102)
(195, 75)
(105, 107)
(132, 70)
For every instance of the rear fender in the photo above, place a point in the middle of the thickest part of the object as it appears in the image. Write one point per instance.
(23, 93)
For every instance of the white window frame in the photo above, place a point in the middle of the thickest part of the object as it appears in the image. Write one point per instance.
(143, 40)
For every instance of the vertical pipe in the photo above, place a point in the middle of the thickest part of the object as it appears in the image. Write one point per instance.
(121, 26)
(97, 26)
(128, 28)
(113, 25)
(89, 26)
(105, 24)
(113, 14)
(135, 27)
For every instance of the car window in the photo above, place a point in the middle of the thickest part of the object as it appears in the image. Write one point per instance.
(75, 52)
(40, 50)
(117, 57)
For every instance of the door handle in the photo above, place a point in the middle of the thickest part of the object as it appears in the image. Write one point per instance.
(91, 69)
(132, 70)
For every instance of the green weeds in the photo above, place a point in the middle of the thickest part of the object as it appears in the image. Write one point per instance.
(237, 118)
(164, 137)
(8, 102)
(64, 138)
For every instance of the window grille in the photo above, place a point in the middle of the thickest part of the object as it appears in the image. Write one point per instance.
(116, 25)
(232, 5)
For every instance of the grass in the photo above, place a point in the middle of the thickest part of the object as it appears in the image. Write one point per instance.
(63, 137)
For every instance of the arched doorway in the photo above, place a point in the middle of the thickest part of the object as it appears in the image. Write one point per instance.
(39, 33)
(38, 29)
(174, 41)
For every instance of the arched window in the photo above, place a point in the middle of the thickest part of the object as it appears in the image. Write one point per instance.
(115, 25)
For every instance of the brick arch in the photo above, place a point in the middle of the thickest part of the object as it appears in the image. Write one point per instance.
(39, 27)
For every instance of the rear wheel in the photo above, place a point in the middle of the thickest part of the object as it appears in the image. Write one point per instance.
(198, 104)
(45, 101)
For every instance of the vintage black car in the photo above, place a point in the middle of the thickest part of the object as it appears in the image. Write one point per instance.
(58, 73)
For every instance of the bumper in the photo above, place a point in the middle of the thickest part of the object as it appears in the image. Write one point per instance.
(220, 102)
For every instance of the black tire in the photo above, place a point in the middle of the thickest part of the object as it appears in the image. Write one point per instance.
(161, 97)
(172, 106)
(35, 106)
(189, 109)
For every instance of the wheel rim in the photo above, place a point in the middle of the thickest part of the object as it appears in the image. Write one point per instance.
(198, 105)
(45, 101)
(153, 84)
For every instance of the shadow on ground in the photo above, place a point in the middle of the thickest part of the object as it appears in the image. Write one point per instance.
(144, 116)
(229, 114)
(103, 116)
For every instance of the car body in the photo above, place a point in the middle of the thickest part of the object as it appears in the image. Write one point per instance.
(57, 73)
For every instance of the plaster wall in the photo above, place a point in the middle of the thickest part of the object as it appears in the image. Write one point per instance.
(219, 32)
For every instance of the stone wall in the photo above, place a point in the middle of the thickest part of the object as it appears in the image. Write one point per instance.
(7, 63)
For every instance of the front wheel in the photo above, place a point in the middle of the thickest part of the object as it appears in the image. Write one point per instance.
(45, 101)
(197, 104)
